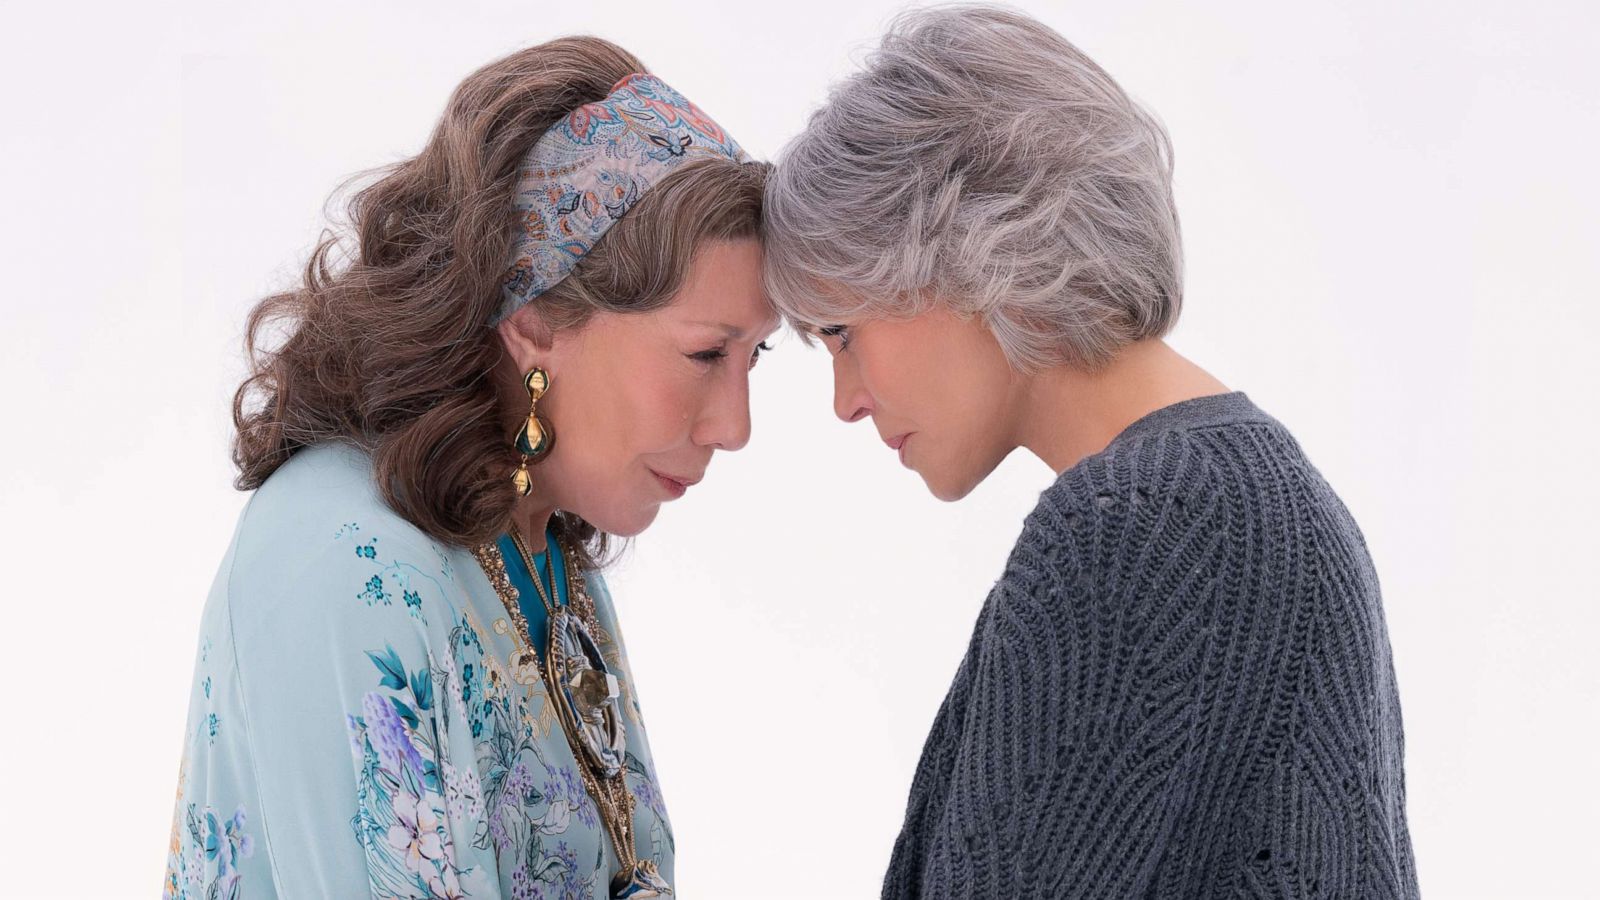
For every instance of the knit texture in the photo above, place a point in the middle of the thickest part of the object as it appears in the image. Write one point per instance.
(1181, 687)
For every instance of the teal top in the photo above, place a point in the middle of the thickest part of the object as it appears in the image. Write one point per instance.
(359, 724)
(528, 599)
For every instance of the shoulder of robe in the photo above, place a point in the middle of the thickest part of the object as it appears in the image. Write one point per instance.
(318, 545)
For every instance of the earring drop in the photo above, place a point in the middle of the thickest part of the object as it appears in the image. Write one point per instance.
(535, 438)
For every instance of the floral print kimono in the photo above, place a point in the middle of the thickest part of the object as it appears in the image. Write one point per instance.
(356, 727)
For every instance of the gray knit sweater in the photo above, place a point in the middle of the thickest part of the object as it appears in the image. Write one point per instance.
(1181, 687)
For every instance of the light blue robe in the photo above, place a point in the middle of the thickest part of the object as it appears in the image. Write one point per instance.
(356, 726)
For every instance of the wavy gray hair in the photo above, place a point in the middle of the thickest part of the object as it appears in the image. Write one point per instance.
(982, 162)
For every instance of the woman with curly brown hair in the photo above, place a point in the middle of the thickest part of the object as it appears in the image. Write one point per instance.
(410, 681)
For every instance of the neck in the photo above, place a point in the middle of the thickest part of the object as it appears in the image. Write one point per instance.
(1068, 414)
(531, 517)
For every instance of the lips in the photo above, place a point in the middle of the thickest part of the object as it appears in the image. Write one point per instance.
(677, 484)
(898, 444)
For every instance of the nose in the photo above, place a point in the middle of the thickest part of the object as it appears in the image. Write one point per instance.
(851, 402)
(725, 424)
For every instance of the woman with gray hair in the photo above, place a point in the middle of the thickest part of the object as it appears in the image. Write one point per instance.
(1181, 686)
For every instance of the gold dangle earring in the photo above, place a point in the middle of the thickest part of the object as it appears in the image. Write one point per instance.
(536, 437)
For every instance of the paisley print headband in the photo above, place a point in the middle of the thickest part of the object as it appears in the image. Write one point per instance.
(591, 168)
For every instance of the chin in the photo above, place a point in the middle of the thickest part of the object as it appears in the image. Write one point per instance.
(950, 495)
(952, 483)
(949, 490)
(626, 524)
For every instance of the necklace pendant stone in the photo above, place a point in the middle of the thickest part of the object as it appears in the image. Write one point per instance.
(589, 693)
(592, 689)
(638, 881)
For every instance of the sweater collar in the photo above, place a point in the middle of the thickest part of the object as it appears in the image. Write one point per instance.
(1230, 408)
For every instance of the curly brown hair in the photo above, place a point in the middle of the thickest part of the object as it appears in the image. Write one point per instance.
(390, 348)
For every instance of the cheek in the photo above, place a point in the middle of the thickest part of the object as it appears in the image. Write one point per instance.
(659, 409)
(606, 419)
(634, 402)
(920, 380)
(603, 448)
(948, 384)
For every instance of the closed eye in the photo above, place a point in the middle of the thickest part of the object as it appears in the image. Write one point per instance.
(842, 332)
(756, 356)
(718, 354)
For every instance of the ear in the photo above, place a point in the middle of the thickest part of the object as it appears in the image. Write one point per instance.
(527, 339)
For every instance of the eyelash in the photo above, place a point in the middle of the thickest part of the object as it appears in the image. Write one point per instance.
(721, 353)
(842, 332)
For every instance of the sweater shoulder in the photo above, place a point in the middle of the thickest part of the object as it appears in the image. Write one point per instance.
(1142, 498)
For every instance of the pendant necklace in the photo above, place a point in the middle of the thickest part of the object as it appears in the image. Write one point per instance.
(586, 696)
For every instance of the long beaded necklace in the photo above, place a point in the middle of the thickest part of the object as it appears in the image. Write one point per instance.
(585, 693)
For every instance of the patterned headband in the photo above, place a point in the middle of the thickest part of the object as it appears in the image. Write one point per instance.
(593, 166)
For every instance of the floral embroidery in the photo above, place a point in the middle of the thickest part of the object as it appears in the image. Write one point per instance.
(563, 788)
(209, 724)
(402, 815)
(376, 590)
(464, 786)
(520, 813)
(408, 798)
(210, 867)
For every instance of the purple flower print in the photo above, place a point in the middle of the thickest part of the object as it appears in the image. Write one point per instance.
(388, 735)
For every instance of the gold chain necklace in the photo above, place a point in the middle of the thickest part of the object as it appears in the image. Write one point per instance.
(585, 694)
(536, 575)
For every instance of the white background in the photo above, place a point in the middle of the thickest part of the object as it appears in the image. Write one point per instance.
(1391, 227)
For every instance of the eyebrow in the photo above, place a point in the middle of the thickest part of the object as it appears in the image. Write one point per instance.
(729, 330)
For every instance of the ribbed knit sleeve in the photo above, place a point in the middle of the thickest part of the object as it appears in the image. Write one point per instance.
(1179, 688)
